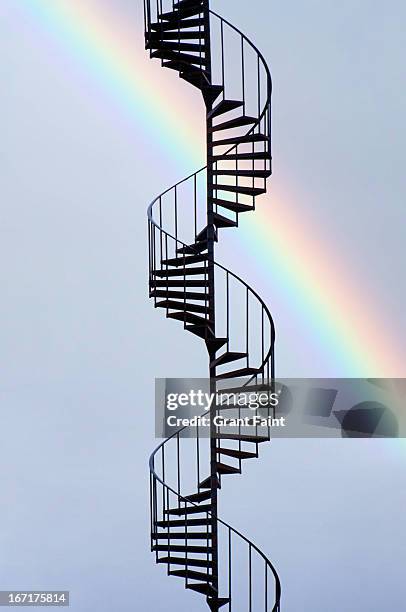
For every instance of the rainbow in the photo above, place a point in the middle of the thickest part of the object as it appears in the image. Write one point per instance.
(324, 298)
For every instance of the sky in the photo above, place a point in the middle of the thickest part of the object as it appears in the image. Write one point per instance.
(81, 345)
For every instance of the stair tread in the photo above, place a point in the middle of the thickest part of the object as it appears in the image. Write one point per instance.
(227, 357)
(184, 261)
(183, 272)
(253, 191)
(176, 45)
(192, 535)
(179, 548)
(189, 318)
(234, 206)
(242, 438)
(224, 106)
(204, 589)
(193, 575)
(174, 305)
(238, 373)
(198, 497)
(185, 35)
(206, 483)
(168, 54)
(261, 155)
(184, 561)
(202, 331)
(232, 452)
(189, 295)
(180, 282)
(222, 221)
(193, 248)
(200, 522)
(232, 123)
(176, 25)
(202, 235)
(242, 172)
(216, 603)
(182, 12)
(188, 510)
(240, 139)
(223, 468)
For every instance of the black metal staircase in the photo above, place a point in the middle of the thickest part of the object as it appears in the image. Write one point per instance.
(213, 303)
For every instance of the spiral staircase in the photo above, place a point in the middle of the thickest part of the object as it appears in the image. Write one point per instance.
(213, 303)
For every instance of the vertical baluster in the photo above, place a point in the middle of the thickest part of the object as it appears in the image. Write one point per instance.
(266, 587)
(247, 327)
(243, 73)
(228, 309)
(176, 213)
(160, 225)
(178, 463)
(229, 569)
(222, 59)
(151, 505)
(166, 268)
(262, 341)
(195, 201)
(198, 455)
(250, 576)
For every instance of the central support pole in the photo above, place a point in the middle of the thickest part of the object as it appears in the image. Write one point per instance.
(212, 303)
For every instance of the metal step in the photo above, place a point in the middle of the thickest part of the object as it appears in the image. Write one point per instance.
(238, 373)
(193, 249)
(202, 235)
(188, 562)
(179, 282)
(186, 3)
(223, 468)
(261, 155)
(173, 305)
(233, 123)
(240, 139)
(192, 575)
(176, 46)
(210, 92)
(184, 35)
(215, 603)
(182, 12)
(182, 67)
(182, 549)
(182, 272)
(183, 24)
(190, 535)
(242, 438)
(199, 497)
(243, 172)
(204, 589)
(179, 57)
(265, 388)
(224, 106)
(206, 483)
(186, 522)
(234, 206)
(188, 318)
(231, 452)
(221, 221)
(188, 510)
(184, 261)
(188, 295)
(227, 357)
(251, 191)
